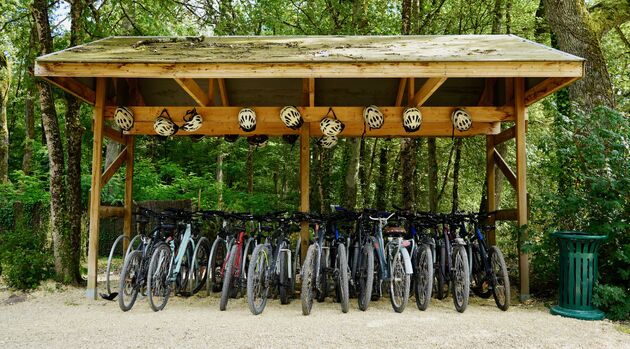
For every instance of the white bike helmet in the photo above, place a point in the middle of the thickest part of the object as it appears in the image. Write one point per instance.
(328, 142)
(192, 121)
(124, 118)
(412, 119)
(373, 117)
(461, 120)
(331, 126)
(247, 119)
(291, 117)
(164, 126)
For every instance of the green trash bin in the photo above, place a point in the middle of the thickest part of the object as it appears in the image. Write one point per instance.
(578, 273)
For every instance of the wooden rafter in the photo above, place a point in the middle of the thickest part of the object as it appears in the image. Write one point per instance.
(505, 136)
(74, 87)
(401, 91)
(411, 90)
(114, 135)
(113, 167)
(487, 96)
(223, 92)
(507, 171)
(135, 95)
(211, 92)
(311, 92)
(194, 90)
(545, 88)
(305, 95)
(427, 89)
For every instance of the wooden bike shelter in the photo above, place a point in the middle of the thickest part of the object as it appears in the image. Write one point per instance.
(493, 77)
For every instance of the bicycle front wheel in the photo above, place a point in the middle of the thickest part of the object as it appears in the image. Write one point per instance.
(308, 280)
(257, 287)
(423, 277)
(158, 281)
(228, 278)
(284, 288)
(342, 265)
(399, 283)
(460, 279)
(130, 281)
(218, 253)
(365, 275)
(441, 285)
(501, 289)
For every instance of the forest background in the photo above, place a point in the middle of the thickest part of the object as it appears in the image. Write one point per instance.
(578, 139)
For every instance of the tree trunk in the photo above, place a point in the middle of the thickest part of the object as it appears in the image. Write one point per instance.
(352, 172)
(5, 87)
(408, 158)
(432, 170)
(609, 14)
(569, 21)
(456, 165)
(320, 179)
(29, 124)
(74, 134)
(381, 183)
(250, 169)
(219, 176)
(497, 16)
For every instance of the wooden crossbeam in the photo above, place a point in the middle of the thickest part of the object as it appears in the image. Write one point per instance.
(223, 92)
(195, 91)
(505, 136)
(114, 135)
(111, 211)
(429, 87)
(509, 214)
(545, 88)
(113, 167)
(74, 87)
(507, 171)
(401, 91)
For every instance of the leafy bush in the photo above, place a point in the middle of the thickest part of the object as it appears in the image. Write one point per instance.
(614, 300)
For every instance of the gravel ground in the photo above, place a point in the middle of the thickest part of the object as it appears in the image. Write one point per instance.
(55, 317)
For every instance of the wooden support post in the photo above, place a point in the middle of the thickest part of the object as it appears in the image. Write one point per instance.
(95, 194)
(305, 162)
(521, 176)
(491, 185)
(127, 224)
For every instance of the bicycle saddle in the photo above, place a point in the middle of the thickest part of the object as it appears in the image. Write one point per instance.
(394, 231)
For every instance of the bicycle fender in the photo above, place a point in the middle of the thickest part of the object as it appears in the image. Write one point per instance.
(407, 260)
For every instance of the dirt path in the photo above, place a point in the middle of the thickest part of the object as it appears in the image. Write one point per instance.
(65, 319)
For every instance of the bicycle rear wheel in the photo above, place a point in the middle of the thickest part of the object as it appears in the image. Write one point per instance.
(460, 279)
(441, 286)
(308, 280)
(199, 274)
(218, 253)
(183, 287)
(501, 289)
(228, 278)
(479, 282)
(342, 265)
(284, 287)
(365, 275)
(257, 286)
(423, 276)
(158, 280)
(399, 283)
(129, 281)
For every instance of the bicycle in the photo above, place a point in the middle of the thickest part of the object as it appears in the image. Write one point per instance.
(181, 268)
(361, 258)
(133, 277)
(451, 264)
(392, 262)
(271, 266)
(488, 270)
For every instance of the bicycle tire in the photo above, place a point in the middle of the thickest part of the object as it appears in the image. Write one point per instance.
(423, 276)
(441, 286)
(158, 283)
(218, 252)
(109, 270)
(284, 288)
(297, 262)
(250, 245)
(461, 281)
(128, 281)
(501, 287)
(366, 276)
(182, 286)
(308, 282)
(344, 292)
(257, 272)
(480, 282)
(199, 272)
(399, 283)
(227, 279)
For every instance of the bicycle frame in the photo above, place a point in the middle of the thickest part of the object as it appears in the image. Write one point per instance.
(389, 251)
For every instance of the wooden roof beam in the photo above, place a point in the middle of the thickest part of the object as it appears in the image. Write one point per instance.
(223, 92)
(194, 91)
(401, 91)
(429, 87)
(74, 87)
(545, 88)
(113, 167)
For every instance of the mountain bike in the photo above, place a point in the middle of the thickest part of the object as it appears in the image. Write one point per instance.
(233, 271)
(361, 258)
(173, 263)
(326, 258)
(451, 264)
(271, 267)
(392, 263)
(133, 277)
(488, 271)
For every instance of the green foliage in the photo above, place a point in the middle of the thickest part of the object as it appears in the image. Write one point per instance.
(614, 300)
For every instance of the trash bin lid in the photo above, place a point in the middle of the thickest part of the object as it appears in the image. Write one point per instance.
(578, 235)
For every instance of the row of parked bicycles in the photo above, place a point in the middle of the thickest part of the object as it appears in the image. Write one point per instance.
(350, 254)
